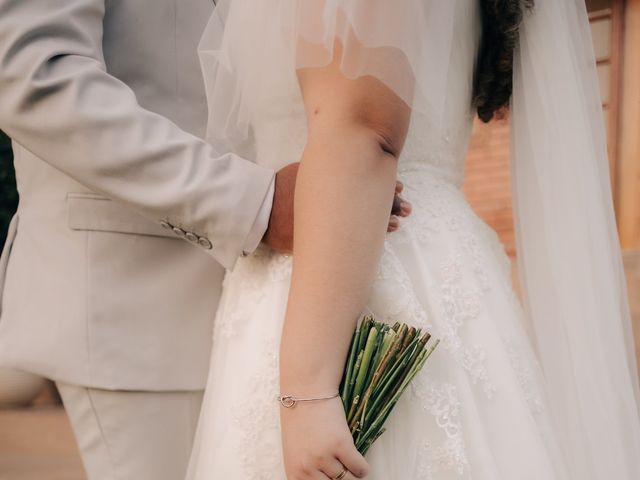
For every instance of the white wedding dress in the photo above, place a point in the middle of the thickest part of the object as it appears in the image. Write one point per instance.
(478, 409)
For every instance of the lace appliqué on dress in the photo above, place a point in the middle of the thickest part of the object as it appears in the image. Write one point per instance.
(525, 376)
(258, 421)
(461, 305)
(441, 401)
(393, 298)
(251, 275)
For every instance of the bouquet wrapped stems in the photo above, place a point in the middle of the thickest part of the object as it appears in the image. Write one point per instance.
(382, 362)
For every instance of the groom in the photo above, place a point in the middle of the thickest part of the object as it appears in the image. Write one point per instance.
(111, 274)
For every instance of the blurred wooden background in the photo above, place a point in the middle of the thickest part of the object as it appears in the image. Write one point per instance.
(615, 26)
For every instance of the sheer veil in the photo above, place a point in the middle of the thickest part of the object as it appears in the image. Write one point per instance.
(568, 250)
(250, 49)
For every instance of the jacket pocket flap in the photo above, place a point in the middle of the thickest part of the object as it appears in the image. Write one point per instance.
(87, 211)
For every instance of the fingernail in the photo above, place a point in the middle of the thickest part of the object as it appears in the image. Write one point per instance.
(406, 208)
(394, 222)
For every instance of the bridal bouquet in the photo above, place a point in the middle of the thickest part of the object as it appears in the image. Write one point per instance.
(382, 361)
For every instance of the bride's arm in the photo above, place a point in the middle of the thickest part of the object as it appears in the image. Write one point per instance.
(343, 197)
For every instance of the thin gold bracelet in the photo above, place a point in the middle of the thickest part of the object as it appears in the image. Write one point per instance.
(290, 401)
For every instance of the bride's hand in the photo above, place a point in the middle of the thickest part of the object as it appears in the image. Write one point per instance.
(317, 444)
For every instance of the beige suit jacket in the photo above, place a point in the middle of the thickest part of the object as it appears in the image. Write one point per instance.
(111, 274)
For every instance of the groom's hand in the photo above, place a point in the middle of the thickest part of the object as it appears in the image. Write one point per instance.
(279, 234)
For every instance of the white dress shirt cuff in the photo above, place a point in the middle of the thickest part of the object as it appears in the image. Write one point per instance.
(261, 223)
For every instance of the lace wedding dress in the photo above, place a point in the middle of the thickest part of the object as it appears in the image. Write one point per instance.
(478, 409)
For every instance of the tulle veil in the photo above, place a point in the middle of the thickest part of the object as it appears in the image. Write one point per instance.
(568, 252)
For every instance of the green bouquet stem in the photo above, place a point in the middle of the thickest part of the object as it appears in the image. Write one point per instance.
(382, 362)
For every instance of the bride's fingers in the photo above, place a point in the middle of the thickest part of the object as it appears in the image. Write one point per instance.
(399, 186)
(405, 208)
(349, 476)
(397, 204)
(354, 462)
(394, 224)
(310, 475)
(400, 206)
(332, 468)
(319, 475)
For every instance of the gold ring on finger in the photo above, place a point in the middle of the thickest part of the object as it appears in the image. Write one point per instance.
(341, 475)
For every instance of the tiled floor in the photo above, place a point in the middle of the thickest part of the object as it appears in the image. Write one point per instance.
(37, 443)
(632, 268)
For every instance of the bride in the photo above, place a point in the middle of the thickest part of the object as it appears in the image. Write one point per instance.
(362, 91)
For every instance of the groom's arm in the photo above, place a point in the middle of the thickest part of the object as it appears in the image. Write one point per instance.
(58, 101)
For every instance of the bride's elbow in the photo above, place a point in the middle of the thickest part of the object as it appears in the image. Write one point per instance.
(385, 119)
(386, 138)
(389, 143)
(364, 106)
(366, 131)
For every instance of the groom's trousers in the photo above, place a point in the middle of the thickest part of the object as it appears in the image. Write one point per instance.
(126, 435)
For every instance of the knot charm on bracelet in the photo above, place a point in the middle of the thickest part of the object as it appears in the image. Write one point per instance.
(289, 401)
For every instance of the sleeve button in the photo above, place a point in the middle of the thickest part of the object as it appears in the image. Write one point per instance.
(205, 243)
(166, 225)
(178, 231)
(192, 237)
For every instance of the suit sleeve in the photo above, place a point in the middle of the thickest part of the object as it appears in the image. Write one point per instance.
(58, 101)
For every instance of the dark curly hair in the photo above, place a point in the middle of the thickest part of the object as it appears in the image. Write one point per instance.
(493, 80)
